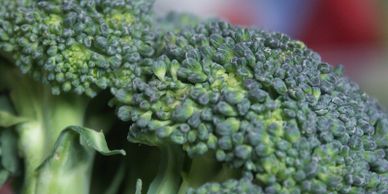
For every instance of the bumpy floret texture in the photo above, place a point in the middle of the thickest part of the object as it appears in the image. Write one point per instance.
(243, 186)
(77, 45)
(263, 103)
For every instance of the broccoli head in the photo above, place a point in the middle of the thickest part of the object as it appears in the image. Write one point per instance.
(232, 109)
(261, 103)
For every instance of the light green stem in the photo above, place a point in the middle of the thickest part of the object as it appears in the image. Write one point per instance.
(31, 140)
(37, 142)
(47, 116)
(168, 178)
(205, 169)
(69, 171)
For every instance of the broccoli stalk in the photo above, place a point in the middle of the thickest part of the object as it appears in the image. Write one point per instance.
(168, 178)
(202, 170)
(179, 172)
(44, 118)
(69, 150)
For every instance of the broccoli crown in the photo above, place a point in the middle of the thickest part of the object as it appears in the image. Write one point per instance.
(242, 186)
(77, 45)
(263, 103)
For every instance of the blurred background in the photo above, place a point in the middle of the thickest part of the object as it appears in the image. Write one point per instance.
(353, 33)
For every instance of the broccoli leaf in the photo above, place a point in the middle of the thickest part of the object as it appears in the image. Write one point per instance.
(8, 120)
(8, 144)
(69, 162)
(8, 140)
(8, 156)
(4, 174)
(92, 139)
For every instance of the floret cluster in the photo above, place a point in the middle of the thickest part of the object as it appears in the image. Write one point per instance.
(265, 110)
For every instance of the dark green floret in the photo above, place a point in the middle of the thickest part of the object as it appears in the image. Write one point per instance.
(263, 104)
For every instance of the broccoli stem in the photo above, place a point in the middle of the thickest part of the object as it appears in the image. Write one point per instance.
(38, 139)
(61, 112)
(47, 116)
(31, 139)
(205, 169)
(201, 169)
(168, 178)
(69, 171)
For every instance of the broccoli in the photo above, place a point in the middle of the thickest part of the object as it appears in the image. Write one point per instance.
(47, 124)
(76, 46)
(229, 109)
(263, 104)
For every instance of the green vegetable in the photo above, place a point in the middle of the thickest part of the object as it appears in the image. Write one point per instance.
(206, 107)
(38, 118)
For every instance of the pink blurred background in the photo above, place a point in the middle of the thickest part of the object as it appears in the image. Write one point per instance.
(353, 33)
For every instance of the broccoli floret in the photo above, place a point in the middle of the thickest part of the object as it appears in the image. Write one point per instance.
(262, 103)
(243, 186)
(78, 46)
